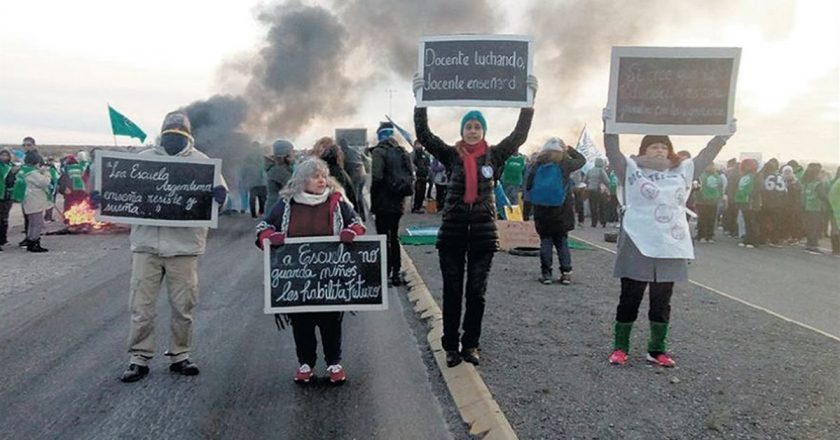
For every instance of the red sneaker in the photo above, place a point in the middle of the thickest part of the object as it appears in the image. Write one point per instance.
(618, 357)
(303, 374)
(662, 359)
(336, 374)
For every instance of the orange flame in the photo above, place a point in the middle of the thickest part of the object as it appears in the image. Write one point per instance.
(82, 214)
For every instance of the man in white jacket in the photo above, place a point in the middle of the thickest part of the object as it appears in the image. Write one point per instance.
(170, 254)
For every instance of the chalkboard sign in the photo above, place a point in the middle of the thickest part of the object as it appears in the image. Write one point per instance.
(355, 137)
(475, 71)
(322, 274)
(676, 90)
(147, 189)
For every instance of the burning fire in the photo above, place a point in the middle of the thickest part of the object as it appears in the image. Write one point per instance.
(82, 214)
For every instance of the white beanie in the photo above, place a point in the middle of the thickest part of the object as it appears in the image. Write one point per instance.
(555, 144)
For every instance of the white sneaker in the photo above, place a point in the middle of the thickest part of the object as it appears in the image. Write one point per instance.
(740, 244)
(702, 240)
(749, 246)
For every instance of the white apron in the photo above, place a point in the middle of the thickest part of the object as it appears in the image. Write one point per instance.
(655, 212)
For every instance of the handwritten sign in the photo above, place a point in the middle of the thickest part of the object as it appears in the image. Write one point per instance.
(517, 234)
(157, 190)
(672, 90)
(475, 71)
(321, 274)
(355, 137)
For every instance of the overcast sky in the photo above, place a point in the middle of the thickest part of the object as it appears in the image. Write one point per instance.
(62, 62)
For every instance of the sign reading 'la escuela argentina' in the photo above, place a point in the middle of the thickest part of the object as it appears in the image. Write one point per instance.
(157, 190)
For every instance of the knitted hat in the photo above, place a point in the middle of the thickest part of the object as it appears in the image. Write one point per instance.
(282, 147)
(177, 121)
(655, 139)
(385, 130)
(474, 115)
(555, 144)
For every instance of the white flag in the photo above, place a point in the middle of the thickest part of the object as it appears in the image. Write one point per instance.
(588, 149)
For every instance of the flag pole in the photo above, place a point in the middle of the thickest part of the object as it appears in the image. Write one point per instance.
(581, 134)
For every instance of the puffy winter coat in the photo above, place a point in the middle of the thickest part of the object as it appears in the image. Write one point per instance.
(387, 156)
(168, 241)
(37, 197)
(473, 225)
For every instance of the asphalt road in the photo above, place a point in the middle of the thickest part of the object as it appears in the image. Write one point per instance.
(62, 349)
(787, 280)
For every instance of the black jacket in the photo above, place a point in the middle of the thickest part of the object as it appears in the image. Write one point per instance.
(386, 157)
(557, 220)
(470, 226)
(422, 164)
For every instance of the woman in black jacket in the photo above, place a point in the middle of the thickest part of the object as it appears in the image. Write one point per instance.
(327, 150)
(468, 236)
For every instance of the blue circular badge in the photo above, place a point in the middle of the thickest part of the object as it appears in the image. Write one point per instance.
(487, 171)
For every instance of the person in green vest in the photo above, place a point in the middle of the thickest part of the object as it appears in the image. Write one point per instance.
(814, 198)
(7, 181)
(748, 200)
(32, 191)
(72, 184)
(54, 174)
(512, 177)
(707, 197)
(834, 202)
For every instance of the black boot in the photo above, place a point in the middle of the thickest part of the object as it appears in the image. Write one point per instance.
(134, 373)
(470, 355)
(185, 367)
(35, 246)
(24, 243)
(453, 358)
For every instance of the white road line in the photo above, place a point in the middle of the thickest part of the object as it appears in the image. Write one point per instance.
(734, 298)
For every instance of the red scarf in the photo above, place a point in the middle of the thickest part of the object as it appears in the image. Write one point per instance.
(469, 156)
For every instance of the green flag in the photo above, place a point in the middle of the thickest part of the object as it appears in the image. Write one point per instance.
(121, 125)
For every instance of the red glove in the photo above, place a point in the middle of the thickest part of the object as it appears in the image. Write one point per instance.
(274, 237)
(347, 235)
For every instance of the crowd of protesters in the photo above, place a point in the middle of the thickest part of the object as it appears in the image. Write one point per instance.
(36, 182)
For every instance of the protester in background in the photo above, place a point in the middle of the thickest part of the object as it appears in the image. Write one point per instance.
(748, 200)
(278, 170)
(440, 178)
(513, 175)
(7, 182)
(792, 217)
(354, 165)
(579, 191)
(549, 189)
(654, 243)
(834, 203)
(730, 214)
(422, 170)
(468, 235)
(596, 180)
(165, 254)
(32, 184)
(392, 180)
(327, 150)
(527, 207)
(28, 145)
(612, 200)
(313, 205)
(253, 178)
(71, 184)
(814, 198)
(709, 194)
(773, 200)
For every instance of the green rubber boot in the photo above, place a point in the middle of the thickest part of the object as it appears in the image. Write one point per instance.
(658, 342)
(622, 336)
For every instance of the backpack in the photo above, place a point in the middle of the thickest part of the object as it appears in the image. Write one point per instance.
(399, 177)
(549, 186)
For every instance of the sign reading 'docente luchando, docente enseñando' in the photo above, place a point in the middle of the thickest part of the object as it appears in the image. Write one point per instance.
(475, 71)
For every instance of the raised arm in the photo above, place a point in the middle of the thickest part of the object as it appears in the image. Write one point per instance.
(433, 144)
(574, 161)
(509, 145)
(614, 156)
(708, 154)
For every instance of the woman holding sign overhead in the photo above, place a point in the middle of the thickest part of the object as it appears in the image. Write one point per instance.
(312, 204)
(654, 243)
(468, 237)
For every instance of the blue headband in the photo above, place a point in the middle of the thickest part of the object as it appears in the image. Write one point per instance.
(384, 133)
(474, 115)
